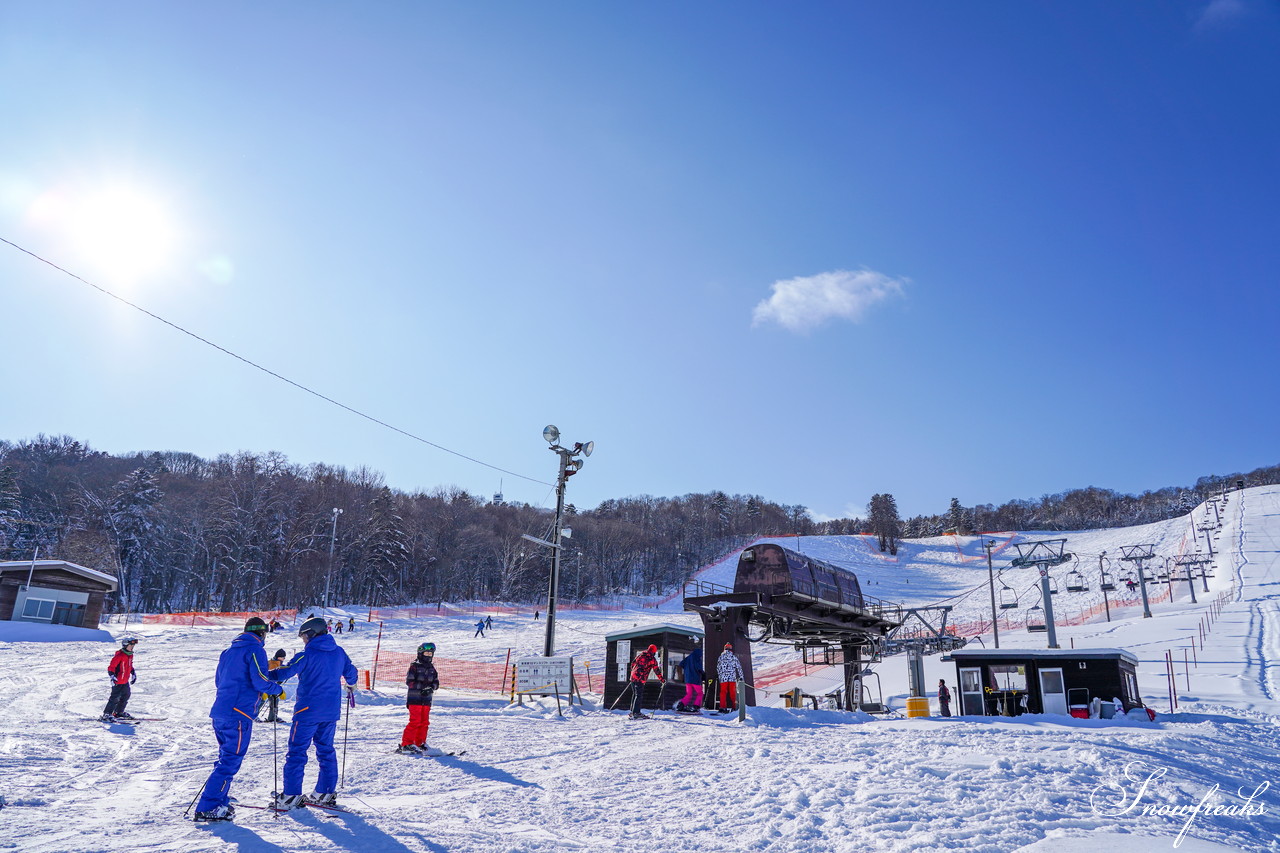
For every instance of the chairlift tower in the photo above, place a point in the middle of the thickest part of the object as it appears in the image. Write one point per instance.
(1043, 555)
(1137, 554)
(991, 581)
(1207, 529)
(1191, 561)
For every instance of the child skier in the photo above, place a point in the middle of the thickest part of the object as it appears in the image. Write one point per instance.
(422, 681)
(122, 675)
(729, 671)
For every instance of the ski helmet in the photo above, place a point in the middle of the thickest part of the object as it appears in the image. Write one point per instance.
(313, 627)
(427, 649)
(256, 625)
(128, 641)
(280, 654)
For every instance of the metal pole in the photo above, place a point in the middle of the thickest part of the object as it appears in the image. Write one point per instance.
(553, 583)
(991, 583)
(1048, 606)
(1142, 584)
(1191, 585)
(1102, 576)
(333, 538)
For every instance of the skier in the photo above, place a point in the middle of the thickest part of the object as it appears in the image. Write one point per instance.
(273, 699)
(422, 681)
(122, 674)
(488, 622)
(729, 671)
(240, 679)
(693, 675)
(479, 630)
(351, 624)
(645, 663)
(337, 629)
(320, 667)
(944, 698)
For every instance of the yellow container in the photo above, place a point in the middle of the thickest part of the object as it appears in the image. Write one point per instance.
(917, 706)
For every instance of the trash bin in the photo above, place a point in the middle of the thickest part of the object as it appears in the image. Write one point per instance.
(1108, 711)
(917, 706)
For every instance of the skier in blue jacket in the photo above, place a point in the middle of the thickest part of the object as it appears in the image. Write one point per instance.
(240, 679)
(320, 667)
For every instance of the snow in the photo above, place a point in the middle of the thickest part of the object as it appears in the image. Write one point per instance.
(783, 780)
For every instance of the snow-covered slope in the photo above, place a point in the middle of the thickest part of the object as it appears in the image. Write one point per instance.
(786, 780)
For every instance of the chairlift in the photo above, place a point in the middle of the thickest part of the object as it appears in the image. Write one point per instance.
(1162, 577)
(1035, 619)
(1053, 585)
(1108, 583)
(1076, 582)
(1008, 598)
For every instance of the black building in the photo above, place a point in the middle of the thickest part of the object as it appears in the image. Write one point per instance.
(1009, 682)
(673, 642)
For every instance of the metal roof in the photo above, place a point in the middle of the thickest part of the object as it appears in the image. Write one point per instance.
(21, 566)
(1045, 654)
(657, 628)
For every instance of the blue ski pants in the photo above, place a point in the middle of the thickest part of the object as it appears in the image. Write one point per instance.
(233, 742)
(301, 736)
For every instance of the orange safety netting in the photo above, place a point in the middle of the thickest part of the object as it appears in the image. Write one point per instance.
(456, 674)
(213, 619)
(442, 611)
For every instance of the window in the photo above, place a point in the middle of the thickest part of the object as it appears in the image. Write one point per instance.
(38, 608)
(69, 614)
(1007, 676)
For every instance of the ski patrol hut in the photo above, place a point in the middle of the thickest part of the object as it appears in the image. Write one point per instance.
(53, 592)
(1009, 682)
(674, 642)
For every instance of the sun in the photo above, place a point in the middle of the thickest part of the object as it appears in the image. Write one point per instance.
(123, 231)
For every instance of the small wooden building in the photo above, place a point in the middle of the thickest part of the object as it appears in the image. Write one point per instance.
(673, 642)
(53, 592)
(1009, 682)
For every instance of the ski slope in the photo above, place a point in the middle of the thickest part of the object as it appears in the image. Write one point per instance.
(785, 780)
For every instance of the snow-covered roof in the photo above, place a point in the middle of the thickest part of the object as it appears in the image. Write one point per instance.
(83, 571)
(1046, 654)
(656, 628)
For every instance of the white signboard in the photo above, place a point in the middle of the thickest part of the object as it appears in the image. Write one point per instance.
(544, 675)
(624, 660)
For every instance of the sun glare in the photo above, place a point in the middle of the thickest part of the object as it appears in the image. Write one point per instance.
(122, 231)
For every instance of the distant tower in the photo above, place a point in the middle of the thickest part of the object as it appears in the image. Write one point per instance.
(497, 496)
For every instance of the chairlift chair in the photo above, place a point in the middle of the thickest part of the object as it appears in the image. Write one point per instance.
(1053, 586)
(1108, 583)
(1008, 598)
(1035, 619)
(1076, 582)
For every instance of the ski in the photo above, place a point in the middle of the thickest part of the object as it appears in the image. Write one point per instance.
(440, 754)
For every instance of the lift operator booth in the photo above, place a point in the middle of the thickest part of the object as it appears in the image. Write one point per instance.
(673, 642)
(1009, 682)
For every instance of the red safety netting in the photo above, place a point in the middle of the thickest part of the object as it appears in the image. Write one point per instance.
(454, 674)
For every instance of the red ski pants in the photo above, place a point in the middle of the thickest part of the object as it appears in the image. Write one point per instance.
(415, 734)
(728, 694)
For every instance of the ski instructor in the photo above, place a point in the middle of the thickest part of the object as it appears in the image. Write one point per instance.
(241, 678)
(321, 667)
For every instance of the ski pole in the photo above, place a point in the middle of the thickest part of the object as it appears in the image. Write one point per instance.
(275, 758)
(193, 800)
(630, 684)
(351, 700)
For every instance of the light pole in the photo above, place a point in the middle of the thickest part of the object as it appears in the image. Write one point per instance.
(991, 582)
(333, 538)
(569, 465)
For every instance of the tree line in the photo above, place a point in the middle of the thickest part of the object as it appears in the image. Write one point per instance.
(252, 531)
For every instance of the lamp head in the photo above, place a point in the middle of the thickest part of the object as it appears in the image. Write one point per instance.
(551, 433)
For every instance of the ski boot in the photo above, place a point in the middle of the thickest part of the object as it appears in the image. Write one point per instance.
(328, 800)
(287, 802)
(225, 812)
(124, 715)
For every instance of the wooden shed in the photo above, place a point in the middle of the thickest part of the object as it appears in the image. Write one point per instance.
(53, 592)
(1009, 682)
(673, 642)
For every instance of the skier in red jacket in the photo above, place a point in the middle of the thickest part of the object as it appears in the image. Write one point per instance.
(122, 674)
(645, 663)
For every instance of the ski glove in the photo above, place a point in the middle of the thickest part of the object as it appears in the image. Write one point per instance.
(133, 677)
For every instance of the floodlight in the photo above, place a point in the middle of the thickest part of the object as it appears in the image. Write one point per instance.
(588, 447)
(551, 433)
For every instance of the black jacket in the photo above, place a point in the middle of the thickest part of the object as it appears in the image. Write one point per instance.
(422, 681)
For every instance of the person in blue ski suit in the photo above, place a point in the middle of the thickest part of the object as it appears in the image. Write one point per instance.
(241, 678)
(321, 668)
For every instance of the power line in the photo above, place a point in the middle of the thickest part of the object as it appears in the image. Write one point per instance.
(268, 371)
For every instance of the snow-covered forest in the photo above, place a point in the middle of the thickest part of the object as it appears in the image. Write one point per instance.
(255, 531)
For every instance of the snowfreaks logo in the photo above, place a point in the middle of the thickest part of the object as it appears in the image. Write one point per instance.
(1127, 795)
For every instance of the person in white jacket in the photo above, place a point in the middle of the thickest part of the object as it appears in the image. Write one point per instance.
(729, 671)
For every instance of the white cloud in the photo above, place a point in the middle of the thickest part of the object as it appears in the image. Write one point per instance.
(800, 304)
(1219, 13)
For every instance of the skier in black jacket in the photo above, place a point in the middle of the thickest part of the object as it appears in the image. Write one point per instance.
(422, 681)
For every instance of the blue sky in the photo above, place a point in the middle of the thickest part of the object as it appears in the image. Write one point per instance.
(812, 252)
